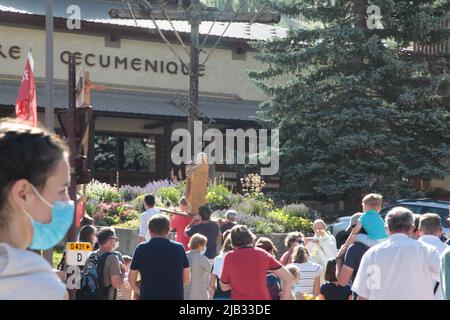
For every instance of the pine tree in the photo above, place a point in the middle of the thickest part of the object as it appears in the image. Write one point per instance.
(358, 110)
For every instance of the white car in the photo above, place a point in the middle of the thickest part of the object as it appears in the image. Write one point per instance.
(337, 229)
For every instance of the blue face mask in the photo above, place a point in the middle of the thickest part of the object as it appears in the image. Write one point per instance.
(203, 251)
(46, 236)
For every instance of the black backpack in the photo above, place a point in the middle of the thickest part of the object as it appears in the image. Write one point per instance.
(92, 287)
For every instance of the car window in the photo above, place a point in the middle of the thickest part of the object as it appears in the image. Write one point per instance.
(442, 212)
(412, 207)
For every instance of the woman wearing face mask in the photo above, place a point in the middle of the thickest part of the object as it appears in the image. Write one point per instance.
(200, 269)
(35, 210)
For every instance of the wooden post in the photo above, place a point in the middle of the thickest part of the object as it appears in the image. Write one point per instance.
(71, 236)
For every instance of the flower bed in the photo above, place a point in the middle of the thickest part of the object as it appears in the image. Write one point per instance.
(121, 206)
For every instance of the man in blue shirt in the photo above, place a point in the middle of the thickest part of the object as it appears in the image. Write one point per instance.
(162, 263)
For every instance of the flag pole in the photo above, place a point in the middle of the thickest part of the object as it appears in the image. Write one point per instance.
(49, 89)
(49, 73)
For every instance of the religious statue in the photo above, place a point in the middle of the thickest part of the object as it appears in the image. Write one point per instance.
(196, 184)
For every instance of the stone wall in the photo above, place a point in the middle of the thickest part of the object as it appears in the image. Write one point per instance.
(128, 240)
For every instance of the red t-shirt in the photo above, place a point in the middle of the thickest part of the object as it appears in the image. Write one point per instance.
(180, 223)
(245, 269)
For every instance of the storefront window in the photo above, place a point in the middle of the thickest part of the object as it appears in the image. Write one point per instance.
(139, 154)
(105, 152)
(125, 153)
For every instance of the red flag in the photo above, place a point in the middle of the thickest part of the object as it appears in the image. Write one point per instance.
(26, 107)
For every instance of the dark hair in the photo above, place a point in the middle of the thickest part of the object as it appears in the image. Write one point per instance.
(266, 244)
(330, 270)
(204, 212)
(227, 246)
(183, 201)
(149, 200)
(159, 224)
(241, 236)
(86, 233)
(226, 234)
(105, 234)
(86, 221)
(416, 222)
(26, 152)
(300, 254)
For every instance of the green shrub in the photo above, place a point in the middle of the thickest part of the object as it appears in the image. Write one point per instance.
(131, 224)
(112, 220)
(236, 199)
(290, 223)
(112, 195)
(103, 192)
(297, 210)
(138, 203)
(91, 206)
(267, 227)
(181, 186)
(169, 196)
(218, 196)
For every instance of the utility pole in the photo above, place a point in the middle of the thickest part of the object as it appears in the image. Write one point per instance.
(195, 20)
(195, 13)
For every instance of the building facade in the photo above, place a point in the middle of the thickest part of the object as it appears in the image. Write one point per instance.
(137, 112)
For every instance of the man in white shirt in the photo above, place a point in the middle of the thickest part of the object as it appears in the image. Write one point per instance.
(150, 211)
(430, 229)
(398, 268)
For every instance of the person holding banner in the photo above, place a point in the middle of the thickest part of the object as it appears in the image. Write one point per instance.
(179, 223)
(35, 210)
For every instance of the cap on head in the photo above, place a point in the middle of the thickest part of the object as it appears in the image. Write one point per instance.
(353, 221)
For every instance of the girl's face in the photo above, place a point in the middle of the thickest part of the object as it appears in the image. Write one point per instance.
(55, 189)
(22, 198)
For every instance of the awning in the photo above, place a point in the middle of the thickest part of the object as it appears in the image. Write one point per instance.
(138, 102)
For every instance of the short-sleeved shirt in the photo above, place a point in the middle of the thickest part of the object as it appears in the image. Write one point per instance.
(211, 231)
(353, 257)
(309, 271)
(373, 224)
(217, 271)
(160, 262)
(245, 270)
(144, 218)
(112, 268)
(332, 291)
(180, 223)
(227, 226)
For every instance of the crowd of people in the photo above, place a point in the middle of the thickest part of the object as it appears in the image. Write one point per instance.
(400, 257)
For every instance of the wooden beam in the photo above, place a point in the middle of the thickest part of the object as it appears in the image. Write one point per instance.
(264, 17)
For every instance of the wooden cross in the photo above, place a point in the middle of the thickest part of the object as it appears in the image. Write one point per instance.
(84, 87)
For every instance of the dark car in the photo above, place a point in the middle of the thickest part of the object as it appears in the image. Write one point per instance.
(417, 206)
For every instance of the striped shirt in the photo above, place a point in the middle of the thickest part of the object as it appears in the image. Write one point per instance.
(440, 246)
(398, 268)
(309, 271)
